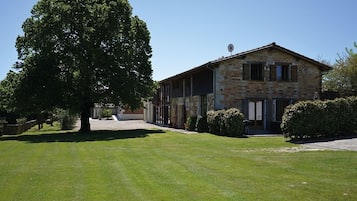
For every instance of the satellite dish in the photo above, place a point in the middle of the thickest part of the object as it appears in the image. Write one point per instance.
(230, 48)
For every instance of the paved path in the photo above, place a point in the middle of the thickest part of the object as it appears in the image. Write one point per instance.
(344, 144)
(128, 125)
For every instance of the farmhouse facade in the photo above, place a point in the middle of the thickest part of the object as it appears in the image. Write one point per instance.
(260, 82)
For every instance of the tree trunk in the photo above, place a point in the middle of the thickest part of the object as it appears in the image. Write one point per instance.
(85, 114)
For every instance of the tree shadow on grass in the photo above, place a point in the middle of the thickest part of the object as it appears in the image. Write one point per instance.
(101, 135)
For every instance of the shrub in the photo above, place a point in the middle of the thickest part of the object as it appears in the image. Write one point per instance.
(233, 121)
(21, 120)
(3, 121)
(107, 113)
(302, 120)
(67, 120)
(320, 119)
(201, 124)
(353, 113)
(191, 123)
(215, 121)
(229, 122)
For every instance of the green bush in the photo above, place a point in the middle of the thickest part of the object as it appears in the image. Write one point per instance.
(319, 119)
(107, 113)
(215, 121)
(68, 122)
(233, 121)
(21, 120)
(226, 122)
(353, 115)
(191, 123)
(67, 119)
(201, 124)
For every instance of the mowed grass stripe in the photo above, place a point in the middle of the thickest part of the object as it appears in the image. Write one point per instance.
(20, 171)
(61, 171)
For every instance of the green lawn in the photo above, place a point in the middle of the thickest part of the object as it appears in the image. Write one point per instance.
(154, 165)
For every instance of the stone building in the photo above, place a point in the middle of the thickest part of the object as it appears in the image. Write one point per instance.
(260, 82)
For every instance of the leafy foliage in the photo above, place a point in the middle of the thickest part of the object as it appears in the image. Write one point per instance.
(226, 122)
(7, 89)
(343, 77)
(215, 121)
(201, 124)
(233, 121)
(107, 113)
(191, 123)
(76, 53)
(21, 120)
(66, 118)
(319, 119)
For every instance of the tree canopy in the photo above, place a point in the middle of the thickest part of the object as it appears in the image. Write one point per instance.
(343, 77)
(80, 52)
(7, 90)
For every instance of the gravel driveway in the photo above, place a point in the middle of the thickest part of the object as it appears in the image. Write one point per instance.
(120, 125)
(127, 125)
(343, 144)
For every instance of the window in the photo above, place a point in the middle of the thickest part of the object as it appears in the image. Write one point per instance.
(253, 71)
(283, 72)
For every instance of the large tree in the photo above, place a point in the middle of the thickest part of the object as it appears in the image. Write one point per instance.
(79, 52)
(343, 77)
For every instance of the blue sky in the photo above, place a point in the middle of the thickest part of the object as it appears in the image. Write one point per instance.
(188, 33)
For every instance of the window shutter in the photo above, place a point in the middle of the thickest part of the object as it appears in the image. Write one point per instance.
(246, 72)
(272, 73)
(294, 75)
(245, 107)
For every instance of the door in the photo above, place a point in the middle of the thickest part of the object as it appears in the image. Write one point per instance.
(255, 113)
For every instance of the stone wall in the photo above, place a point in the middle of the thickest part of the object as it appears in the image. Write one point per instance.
(16, 129)
(184, 107)
(210, 102)
(231, 89)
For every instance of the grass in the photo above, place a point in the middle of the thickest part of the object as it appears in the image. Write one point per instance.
(157, 165)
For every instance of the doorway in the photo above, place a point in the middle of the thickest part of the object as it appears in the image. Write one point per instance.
(255, 114)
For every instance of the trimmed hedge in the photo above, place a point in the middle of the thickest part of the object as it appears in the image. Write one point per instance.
(233, 121)
(226, 122)
(320, 119)
(215, 121)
